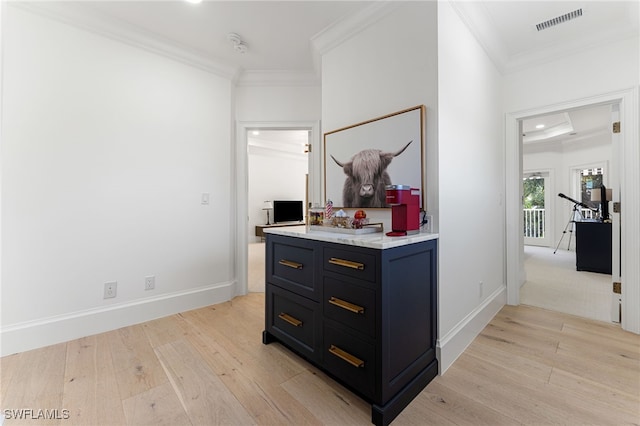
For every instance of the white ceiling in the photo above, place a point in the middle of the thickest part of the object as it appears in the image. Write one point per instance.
(591, 125)
(286, 37)
(507, 29)
(281, 35)
(277, 33)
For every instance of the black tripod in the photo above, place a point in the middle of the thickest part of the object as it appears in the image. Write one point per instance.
(572, 220)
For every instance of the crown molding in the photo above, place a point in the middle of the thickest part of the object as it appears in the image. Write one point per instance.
(342, 30)
(83, 18)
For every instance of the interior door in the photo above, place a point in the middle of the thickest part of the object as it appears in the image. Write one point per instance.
(535, 202)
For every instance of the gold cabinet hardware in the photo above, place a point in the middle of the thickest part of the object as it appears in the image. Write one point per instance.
(290, 264)
(346, 263)
(291, 320)
(346, 305)
(346, 356)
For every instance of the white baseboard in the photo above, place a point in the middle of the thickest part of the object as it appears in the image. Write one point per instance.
(450, 346)
(62, 328)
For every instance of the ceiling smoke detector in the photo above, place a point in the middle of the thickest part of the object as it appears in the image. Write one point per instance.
(559, 20)
(238, 45)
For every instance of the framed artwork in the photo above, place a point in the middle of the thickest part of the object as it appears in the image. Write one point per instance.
(360, 160)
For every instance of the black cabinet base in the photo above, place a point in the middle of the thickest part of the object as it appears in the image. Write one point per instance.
(267, 338)
(384, 415)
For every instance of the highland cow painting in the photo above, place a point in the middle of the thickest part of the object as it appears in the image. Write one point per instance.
(360, 160)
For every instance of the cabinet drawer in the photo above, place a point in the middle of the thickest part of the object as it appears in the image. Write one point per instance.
(350, 305)
(292, 264)
(355, 264)
(294, 320)
(350, 359)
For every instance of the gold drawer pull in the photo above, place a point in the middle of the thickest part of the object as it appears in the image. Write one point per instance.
(291, 320)
(290, 264)
(346, 356)
(346, 305)
(347, 263)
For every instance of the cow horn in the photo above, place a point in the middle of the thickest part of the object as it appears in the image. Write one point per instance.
(402, 150)
(337, 162)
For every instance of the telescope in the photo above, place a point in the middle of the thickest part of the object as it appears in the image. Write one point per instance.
(561, 195)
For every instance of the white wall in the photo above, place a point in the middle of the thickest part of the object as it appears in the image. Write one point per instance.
(106, 152)
(273, 176)
(601, 69)
(283, 107)
(388, 67)
(278, 103)
(472, 281)
(419, 54)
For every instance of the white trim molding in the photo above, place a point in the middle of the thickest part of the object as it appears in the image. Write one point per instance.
(62, 328)
(628, 160)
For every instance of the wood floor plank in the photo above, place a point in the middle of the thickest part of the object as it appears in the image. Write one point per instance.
(252, 384)
(544, 403)
(8, 365)
(136, 367)
(539, 317)
(158, 406)
(588, 389)
(206, 399)
(628, 344)
(281, 367)
(439, 405)
(530, 366)
(329, 402)
(166, 330)
(37, 384)
(90, 388)
(609, 375)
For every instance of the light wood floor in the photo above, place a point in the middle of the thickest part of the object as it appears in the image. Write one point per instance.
(208, 366)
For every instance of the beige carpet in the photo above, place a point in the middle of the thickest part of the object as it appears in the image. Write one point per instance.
(255, 274)
(553, 283)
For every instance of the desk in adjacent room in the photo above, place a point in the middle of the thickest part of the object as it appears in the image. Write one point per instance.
(593, 247)
(260, 228)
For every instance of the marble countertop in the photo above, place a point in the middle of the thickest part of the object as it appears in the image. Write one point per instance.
(376, 240)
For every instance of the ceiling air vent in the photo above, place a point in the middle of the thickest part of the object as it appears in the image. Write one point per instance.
(559, 20)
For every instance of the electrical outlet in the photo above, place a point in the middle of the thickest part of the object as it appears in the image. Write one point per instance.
(481, 285)
(149, 283)
(110, 290)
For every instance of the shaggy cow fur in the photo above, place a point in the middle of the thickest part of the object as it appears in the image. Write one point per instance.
(367, 178)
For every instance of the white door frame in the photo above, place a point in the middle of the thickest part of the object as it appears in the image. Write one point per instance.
(242, 184)
(627, 162)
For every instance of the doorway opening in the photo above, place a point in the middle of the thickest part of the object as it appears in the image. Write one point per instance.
(565, 150)
(248, 219)
(278, 169)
